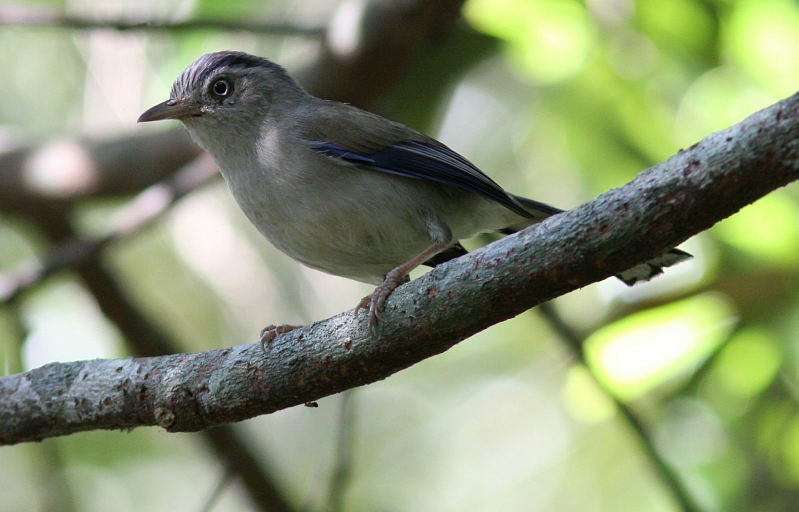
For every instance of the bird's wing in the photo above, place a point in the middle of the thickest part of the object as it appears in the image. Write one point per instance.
(376, 143)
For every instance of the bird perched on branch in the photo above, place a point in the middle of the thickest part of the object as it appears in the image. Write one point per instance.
(340, 189)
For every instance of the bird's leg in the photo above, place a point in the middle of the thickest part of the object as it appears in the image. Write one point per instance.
(269, 332)
(399, 275)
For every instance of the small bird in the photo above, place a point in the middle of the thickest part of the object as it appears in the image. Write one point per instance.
(340, 189)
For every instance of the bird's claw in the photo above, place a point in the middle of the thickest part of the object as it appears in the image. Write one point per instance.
(376, 301)
(269, 332)
(374, 305)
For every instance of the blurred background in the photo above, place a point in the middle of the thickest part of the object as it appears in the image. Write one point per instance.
(680, 394)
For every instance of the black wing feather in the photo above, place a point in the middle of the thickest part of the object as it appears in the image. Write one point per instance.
(434, 162)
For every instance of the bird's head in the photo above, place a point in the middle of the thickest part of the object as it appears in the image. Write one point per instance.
(225, 94)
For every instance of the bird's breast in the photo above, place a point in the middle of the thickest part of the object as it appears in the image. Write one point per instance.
(326, 216)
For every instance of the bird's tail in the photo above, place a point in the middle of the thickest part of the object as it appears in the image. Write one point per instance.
(537, 210)
(652, 267)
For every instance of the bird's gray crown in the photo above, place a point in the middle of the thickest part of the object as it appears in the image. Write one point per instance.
(211, 63)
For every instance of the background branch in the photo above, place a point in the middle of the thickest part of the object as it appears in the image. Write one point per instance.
(575, 344)
(147, 206)
(39, 16)
(345, 445)
(184, 392)
(57, 173)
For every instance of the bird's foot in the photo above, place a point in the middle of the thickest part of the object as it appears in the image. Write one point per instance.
(376, 301)
(269, 332)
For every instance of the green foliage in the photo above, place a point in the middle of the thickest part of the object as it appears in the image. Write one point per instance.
(642, 351)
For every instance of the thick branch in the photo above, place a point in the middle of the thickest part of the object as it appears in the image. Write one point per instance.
(184, 392)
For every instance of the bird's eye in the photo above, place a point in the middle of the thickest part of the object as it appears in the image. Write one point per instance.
(221, 88)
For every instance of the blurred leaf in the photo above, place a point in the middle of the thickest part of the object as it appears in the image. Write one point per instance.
(31, 59)
(717, 99)
(749, 363)
(685, 28)
(643, 350)
(549, 40)
(762, 37)
(16, 247)
(767, 230)
(790, 451)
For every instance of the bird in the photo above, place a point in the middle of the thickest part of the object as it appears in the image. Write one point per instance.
(340, 189)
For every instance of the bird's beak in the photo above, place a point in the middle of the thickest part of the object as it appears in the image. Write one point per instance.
(171, 109)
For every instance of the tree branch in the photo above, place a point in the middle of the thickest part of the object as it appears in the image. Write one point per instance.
(186, 392)
(59, 172)
(39, 16)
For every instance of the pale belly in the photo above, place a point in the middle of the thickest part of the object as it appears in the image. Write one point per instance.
(361, 224)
